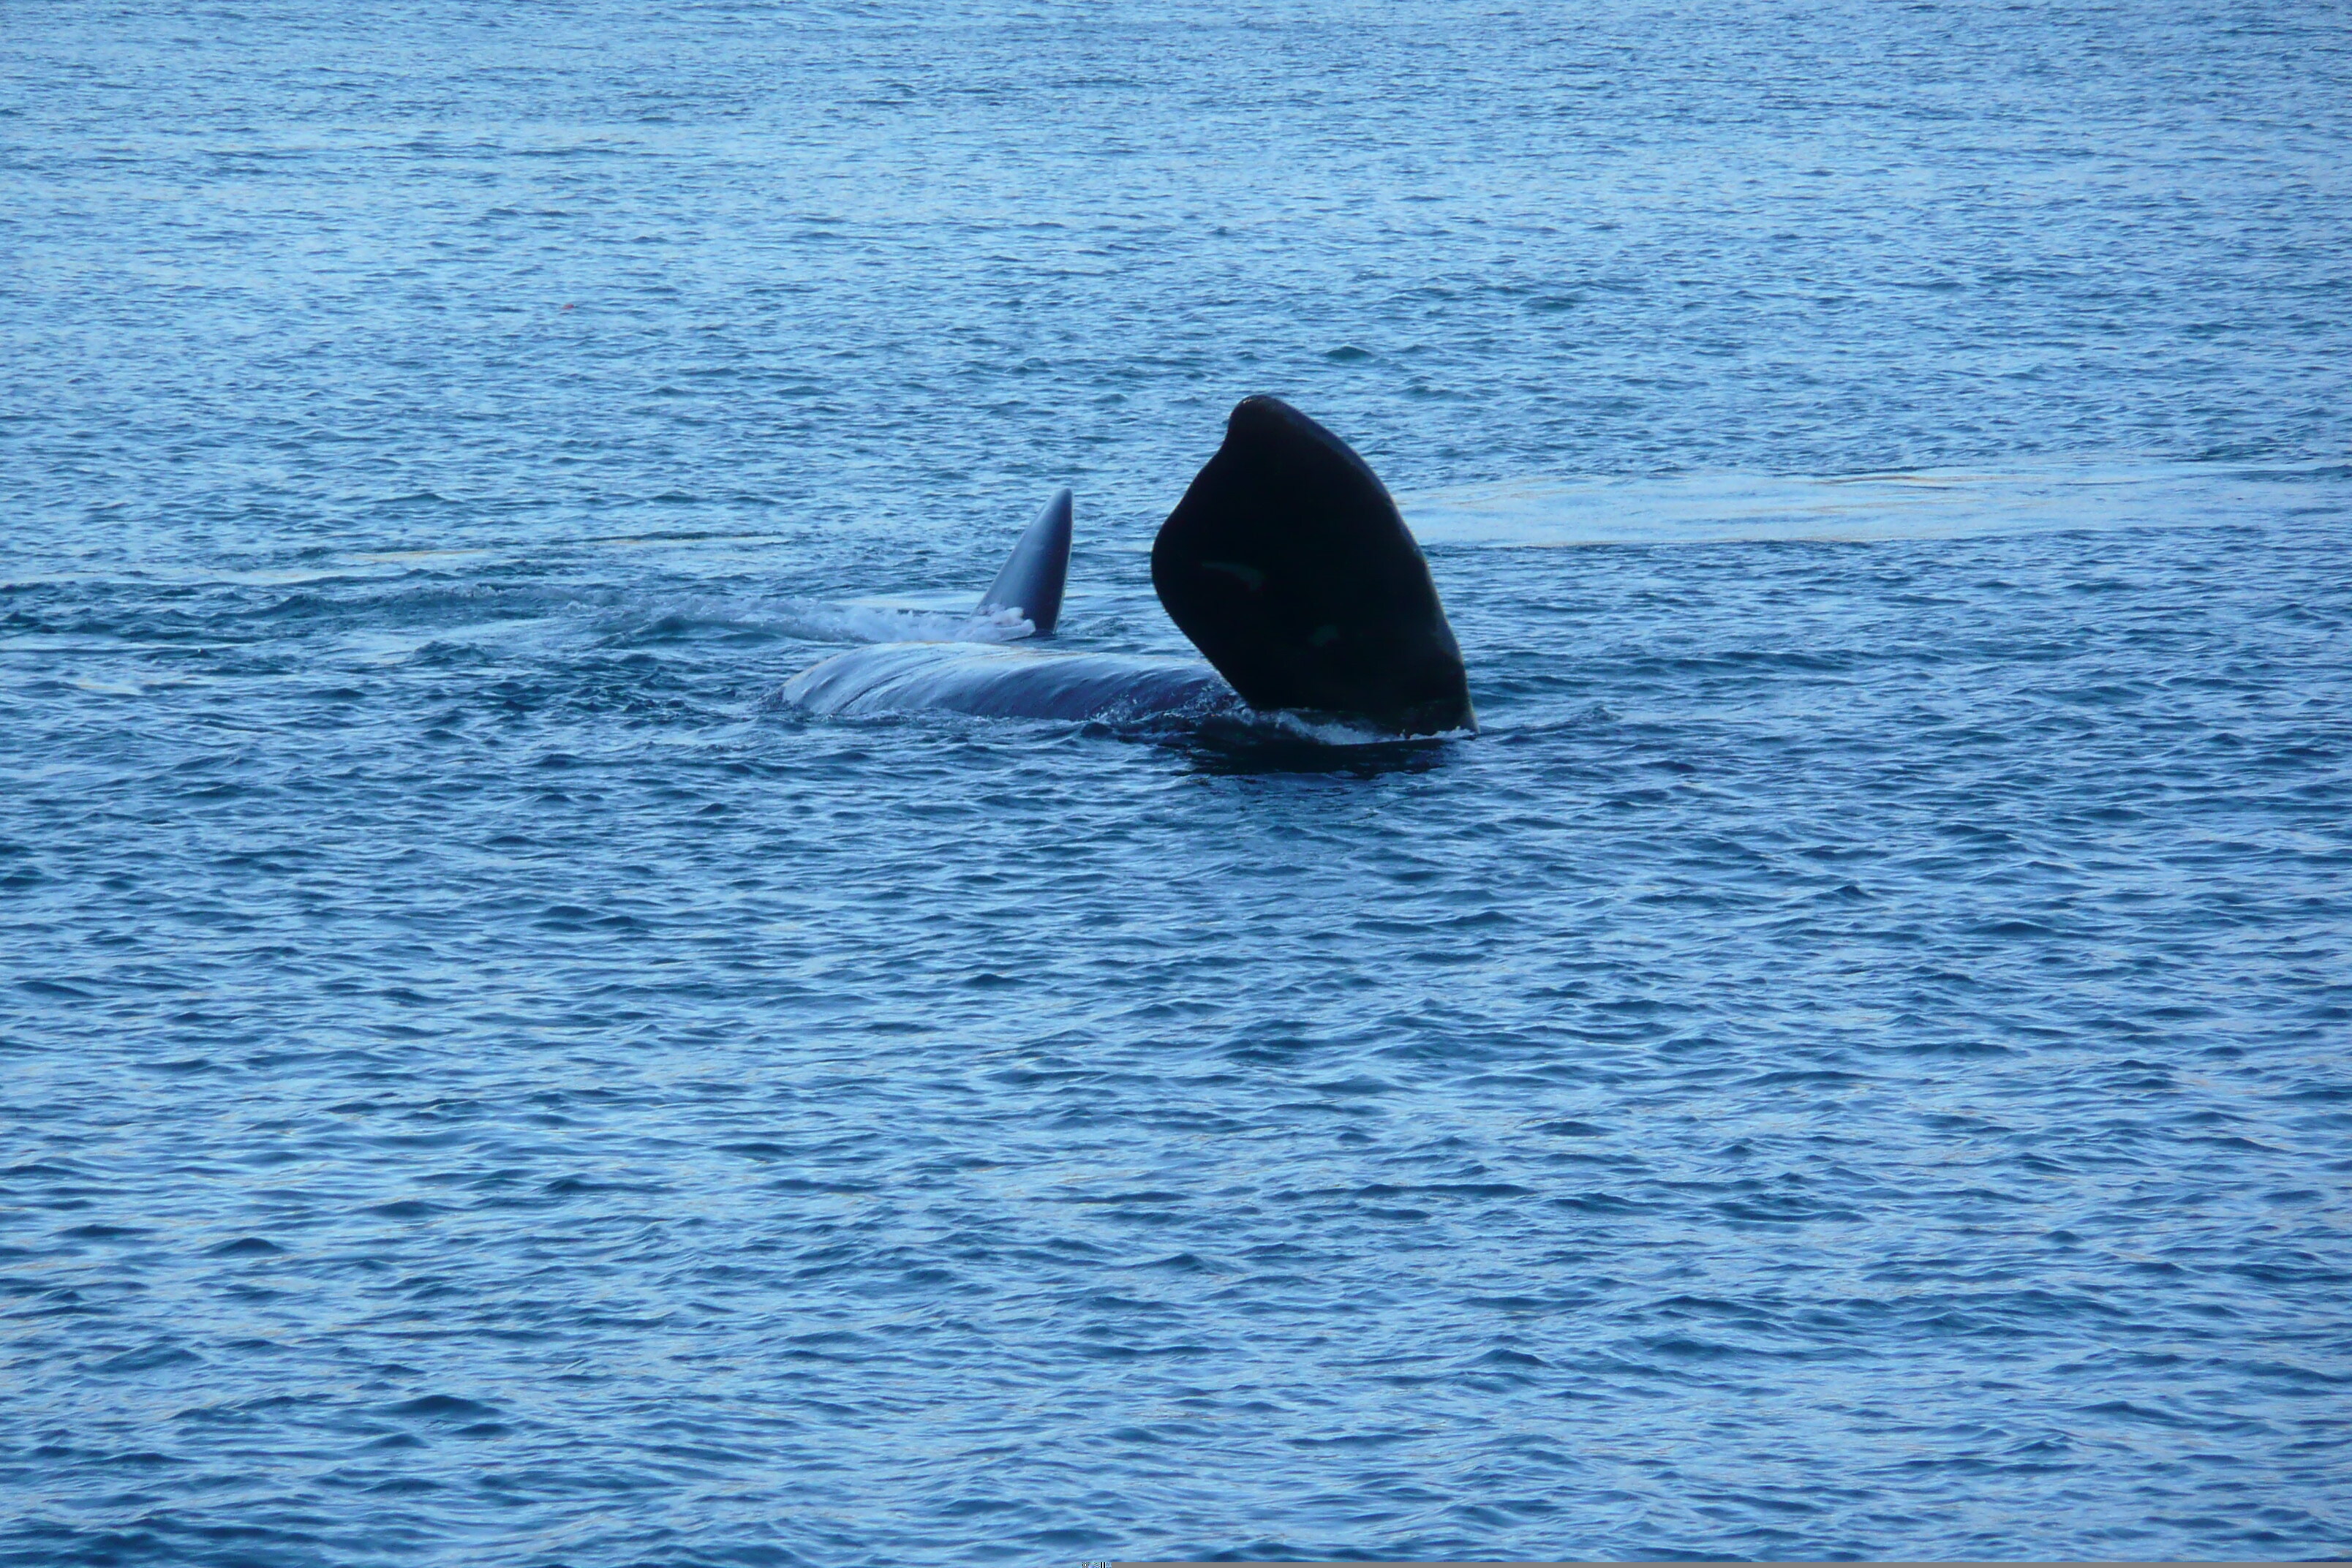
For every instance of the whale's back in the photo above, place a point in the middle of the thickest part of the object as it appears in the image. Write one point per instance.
(997, 681)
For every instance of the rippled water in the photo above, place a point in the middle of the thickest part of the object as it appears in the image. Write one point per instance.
(1851, 1061)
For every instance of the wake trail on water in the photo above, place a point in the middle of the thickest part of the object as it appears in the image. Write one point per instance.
(612, 614)
(2051, 497)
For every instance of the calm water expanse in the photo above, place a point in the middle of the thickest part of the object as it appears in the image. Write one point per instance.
(1853, 1061)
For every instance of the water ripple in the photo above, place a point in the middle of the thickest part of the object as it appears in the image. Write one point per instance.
(1849, 1062)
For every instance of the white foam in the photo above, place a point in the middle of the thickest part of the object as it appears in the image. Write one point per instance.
(872, 622)
(1333, 730)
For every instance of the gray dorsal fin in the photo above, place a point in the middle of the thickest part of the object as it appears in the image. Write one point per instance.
(1032, 579)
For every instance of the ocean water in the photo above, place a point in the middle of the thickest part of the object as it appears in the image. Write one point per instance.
(1851, 1061)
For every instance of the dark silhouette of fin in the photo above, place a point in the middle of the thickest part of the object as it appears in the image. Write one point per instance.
(1287, 565)
(1032, 576)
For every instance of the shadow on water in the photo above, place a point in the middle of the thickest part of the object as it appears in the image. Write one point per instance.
(1228, 747)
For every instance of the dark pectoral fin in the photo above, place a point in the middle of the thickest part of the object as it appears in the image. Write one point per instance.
(1288, 567)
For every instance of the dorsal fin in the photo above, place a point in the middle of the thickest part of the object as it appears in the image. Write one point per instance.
(1286, 563)
(1033, 573)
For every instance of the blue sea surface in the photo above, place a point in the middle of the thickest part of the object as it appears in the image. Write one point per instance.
(1853, 1061)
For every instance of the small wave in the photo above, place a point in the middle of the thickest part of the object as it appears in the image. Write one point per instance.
(819, 622)
(1239, 740)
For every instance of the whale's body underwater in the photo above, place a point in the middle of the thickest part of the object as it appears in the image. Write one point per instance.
(1286, 564)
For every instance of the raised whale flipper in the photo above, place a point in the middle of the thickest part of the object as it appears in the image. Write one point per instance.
(1287, 565)
(1032, 576)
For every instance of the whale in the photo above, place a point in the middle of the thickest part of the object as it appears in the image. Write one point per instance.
(1012, 680)
(1286, 564)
